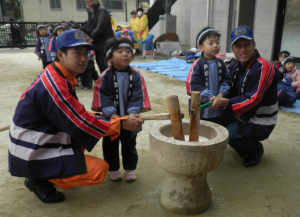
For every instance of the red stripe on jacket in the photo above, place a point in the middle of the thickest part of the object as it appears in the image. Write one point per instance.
(74, 103)
(50, 44)
(263, 85)
(31, 86)
(96, 99)
(188, 79)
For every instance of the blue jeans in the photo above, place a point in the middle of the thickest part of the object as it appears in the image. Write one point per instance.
(236, 129)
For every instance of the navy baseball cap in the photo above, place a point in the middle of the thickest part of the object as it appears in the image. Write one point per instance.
(133, 12)
(241, 32)
(73, 38)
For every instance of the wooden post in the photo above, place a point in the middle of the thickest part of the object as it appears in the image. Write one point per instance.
(195, 116)
(175, 116)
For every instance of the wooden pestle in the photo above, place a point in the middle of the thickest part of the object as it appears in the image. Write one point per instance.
(161, 116)
(175, 116)
(195, 116)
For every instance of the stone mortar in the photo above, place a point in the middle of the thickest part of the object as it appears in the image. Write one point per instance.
(186, 164)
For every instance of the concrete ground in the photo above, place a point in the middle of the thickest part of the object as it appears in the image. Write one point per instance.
(268, 189)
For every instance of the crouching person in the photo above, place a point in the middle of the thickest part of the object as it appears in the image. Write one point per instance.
(250, 112)
(51, 129)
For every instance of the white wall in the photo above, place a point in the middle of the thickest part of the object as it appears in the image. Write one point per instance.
(264, 27)
(39, 11)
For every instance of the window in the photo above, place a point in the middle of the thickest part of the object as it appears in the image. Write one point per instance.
(81, 5)
(55, 4)
(113, 5)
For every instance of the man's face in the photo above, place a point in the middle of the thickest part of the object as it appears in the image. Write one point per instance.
(91, 3)
(243, 50)
(75, 61)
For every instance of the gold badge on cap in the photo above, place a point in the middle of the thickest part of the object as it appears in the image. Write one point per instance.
(240, 31)
(80, 36)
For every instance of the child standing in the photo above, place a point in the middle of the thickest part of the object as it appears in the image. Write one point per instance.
(149, 46)
(208, 74)
(119, 91)
(126, 34)
(42, 44)
(282, 55)
(58, 30)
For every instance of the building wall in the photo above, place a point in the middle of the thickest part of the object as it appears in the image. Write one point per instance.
(265, 27)
(39, 11)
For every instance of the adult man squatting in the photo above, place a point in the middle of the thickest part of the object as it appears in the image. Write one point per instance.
(51, 129)
(251, 108)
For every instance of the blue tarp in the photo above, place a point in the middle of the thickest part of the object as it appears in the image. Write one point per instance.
(174, 67)
(295, 108)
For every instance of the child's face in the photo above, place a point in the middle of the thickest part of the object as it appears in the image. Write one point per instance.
(59, 31)
(289, 66)
(133, 15)
(119, 28)
(126, 33)
(121, 58)
(43, 31)
(210, 47)
(281, 58)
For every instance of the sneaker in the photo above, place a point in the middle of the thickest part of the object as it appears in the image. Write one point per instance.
(87, 88)
(115, 175)
(82, 87)
(130, 175)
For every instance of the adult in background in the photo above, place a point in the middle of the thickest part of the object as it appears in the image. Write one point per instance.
(99, 25)
(143, 29)
(251, 108)
(134, 22)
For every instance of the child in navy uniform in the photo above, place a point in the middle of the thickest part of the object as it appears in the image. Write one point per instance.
(56, 32)
(120, 90)
(282, 55)
(285, 94)
(208, 74)
(42, 45)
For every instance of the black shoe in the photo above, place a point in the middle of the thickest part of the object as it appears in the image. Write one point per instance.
(253, 159)
(45, 192)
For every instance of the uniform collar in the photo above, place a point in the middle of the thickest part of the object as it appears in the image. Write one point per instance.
(67, 75)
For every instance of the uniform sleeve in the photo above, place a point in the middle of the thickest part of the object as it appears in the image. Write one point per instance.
(103, 95)
(38, 47)
(139, 97)
(195, 77)
(245, 106)
(225, 82)
(68, 114)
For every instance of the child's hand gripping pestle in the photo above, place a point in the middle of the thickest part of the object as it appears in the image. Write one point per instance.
(206, 105)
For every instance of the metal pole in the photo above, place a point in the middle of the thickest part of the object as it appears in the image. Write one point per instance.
(126, 10)
(207, 12)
